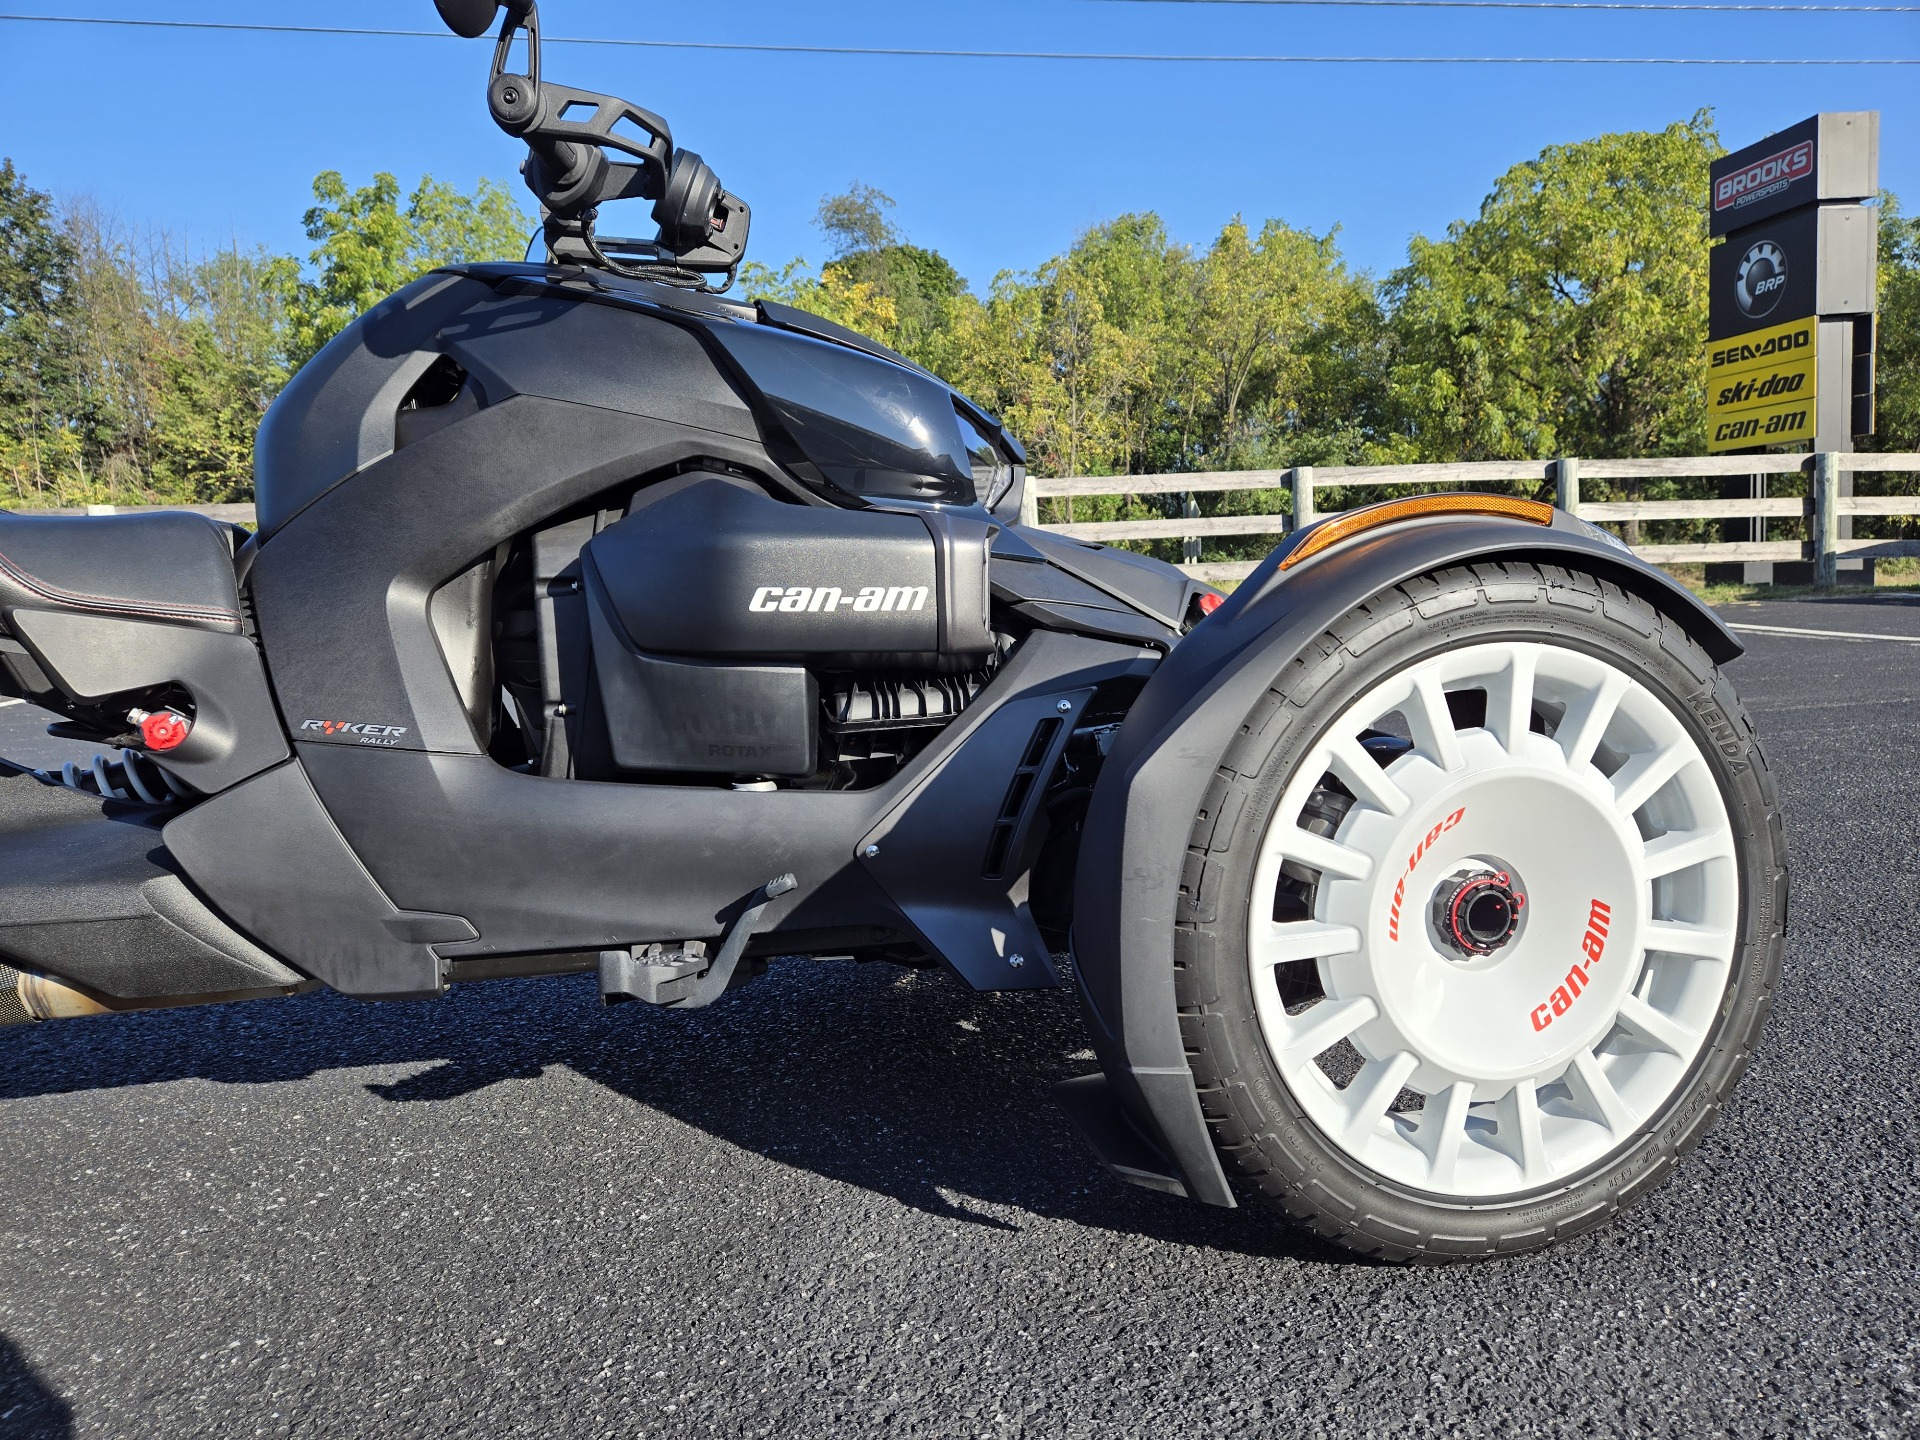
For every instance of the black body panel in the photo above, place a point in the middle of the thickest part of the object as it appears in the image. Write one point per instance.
(336, 415)
(696, 716)
(595, 865)
(1143, 809)
(1153, 587)
(342, 592)
(875, 429)
(270, 857)
(1092, 589)
(952, 848)
(236, 730)
(612, 358)
(786, 317)
(89, 893)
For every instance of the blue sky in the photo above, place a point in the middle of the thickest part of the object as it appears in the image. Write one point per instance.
(998, 164)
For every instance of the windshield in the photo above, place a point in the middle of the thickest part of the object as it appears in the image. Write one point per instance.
(874, 429)
(992, 470)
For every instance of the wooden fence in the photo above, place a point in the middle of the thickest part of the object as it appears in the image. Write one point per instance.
(1820, 510)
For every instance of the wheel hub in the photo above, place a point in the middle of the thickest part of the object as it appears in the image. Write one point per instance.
(1476, 913)
(1456, 968)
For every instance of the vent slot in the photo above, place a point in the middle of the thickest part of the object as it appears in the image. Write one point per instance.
(439, 398)
(1020, 790)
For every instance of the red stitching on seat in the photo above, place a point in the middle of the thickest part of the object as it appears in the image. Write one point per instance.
(116, 604)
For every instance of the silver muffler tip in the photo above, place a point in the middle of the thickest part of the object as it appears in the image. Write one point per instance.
(28, 995)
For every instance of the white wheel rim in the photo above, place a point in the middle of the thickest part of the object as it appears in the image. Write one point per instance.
(1543, 1058)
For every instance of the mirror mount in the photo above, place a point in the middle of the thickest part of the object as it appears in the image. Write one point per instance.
(522, 17)
(585, 149)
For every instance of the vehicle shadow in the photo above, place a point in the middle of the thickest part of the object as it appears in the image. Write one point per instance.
(904, 1083)
(29, 1408)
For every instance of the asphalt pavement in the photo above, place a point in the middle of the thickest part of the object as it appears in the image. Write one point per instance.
(841, 1204)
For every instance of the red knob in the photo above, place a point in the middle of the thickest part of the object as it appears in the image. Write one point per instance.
(164, 730)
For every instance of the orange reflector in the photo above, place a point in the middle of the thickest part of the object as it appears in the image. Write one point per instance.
(1389, 512)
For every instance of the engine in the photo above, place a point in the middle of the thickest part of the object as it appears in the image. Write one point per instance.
(711, 631)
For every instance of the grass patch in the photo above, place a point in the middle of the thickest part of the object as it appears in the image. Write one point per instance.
(1896, 575)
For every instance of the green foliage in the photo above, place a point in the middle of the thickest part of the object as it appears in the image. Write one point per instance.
(920, 284)
(204, 420)
(1898, 421)
(39, 364)
(1132, 354)
(856, 220)
(366, 246)
(874, 281)
(832, 295)
(134, 373)
(1569, 316)
(1566, 317)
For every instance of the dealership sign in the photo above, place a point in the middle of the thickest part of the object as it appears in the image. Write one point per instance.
(1761, 181)
(1826, 157)
(1764, 275)
(1776, 175)
(1791, 283)
(1761, 387)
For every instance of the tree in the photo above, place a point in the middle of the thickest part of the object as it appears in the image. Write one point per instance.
(119, 344)
(1897, 375)
(874, 281)
(832, 295)
(1078, 356)
(1145, 287)
(39, 366)
(868, 249)
(855, 221)
(1569, 316)
(366, 246)
(225, 361)
(204, 424)
(1261, 301)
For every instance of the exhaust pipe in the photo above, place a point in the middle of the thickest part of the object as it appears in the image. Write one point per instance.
(28, 995)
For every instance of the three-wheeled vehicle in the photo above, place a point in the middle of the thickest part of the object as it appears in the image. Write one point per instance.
(1429, 887)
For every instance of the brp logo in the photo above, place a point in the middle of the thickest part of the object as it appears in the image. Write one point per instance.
(1763, 278)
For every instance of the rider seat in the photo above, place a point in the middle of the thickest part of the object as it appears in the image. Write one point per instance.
(168, 566)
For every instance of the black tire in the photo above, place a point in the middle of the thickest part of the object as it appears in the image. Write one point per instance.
(1264, 1137)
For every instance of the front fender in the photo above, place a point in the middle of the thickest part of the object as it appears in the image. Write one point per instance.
(1133, 850)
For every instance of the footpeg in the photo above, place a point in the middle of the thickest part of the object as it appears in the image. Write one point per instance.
(685, 979)
(652, 974)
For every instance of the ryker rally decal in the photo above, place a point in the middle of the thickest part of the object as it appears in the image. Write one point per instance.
(359, 732)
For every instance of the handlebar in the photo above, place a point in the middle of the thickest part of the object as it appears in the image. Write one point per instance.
(585, 149)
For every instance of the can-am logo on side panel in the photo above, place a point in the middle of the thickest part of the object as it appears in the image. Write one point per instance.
(826, 598)
(1764, 177)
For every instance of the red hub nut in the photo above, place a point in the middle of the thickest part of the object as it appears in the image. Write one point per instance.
(164, 730)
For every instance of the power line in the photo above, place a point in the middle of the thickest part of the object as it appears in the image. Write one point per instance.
(915, 53)
(1622, 5)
